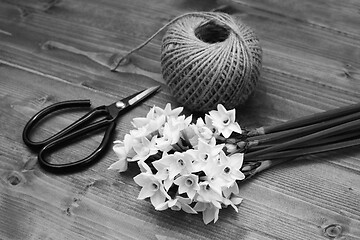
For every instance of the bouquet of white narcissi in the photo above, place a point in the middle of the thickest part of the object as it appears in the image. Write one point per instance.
(195, 166)
(183, 165)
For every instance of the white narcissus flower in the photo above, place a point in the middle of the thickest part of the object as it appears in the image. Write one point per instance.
(163, 175)
(222, 173)
(123, 150)
(152, 188)
(164, 144)
(233, 201)
(231, 190)
(144, 130)
(151, 118)
(188, 183)
(168, 112)
(194, 132)
(171, 132)
(203, 130)
(146, 126)
(208, 194)
(224, 121)
(177, 204)
(177, 163)
(210, 211)
(122, 164)
(144, 149)
(213, 177)
(210, 148)
(231, 166)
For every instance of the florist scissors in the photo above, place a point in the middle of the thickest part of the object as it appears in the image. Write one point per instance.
(80, 127)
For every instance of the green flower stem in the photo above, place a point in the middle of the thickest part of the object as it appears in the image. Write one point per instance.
(306, 150)
(263, 138)
(254, 148)
(332, 139)
(336, 130)
(255, 145)
(338, 141)
(301, 131)
(259, 145)
(307, 120)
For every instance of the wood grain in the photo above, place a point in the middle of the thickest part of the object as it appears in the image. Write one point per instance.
(310, 63)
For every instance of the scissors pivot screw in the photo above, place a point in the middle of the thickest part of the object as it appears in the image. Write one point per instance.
(120, 104)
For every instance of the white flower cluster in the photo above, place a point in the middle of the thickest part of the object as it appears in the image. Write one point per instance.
(183, 165)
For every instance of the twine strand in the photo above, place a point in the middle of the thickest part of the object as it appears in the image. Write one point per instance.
(143, 44)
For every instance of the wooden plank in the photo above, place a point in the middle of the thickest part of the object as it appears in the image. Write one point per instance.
(332, 16)
(311, 53)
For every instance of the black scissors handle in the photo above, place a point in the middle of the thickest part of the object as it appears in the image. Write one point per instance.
(76, 129)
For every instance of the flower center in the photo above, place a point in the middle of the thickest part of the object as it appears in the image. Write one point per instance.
(227, 170)
(181, 162)
(226, 121)
(189, 182)
(205, 156)
(154, 186)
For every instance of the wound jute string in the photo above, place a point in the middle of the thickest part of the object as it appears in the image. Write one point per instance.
(208, 58)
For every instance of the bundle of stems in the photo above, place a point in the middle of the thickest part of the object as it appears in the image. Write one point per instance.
(321, 132)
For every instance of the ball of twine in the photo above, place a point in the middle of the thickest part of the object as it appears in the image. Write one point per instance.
(210, 58)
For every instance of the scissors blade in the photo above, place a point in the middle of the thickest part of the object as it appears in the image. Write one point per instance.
(119, 106)
(134, 99)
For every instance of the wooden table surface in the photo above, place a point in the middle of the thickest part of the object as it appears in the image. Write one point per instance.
(311, 63)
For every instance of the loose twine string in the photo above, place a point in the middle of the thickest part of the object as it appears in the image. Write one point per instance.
(208, 58)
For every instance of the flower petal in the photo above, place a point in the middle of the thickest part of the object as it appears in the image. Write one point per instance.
(144, 168)
(145, 193)
(157, 199)
(142, 179)
(162, 206)
(237, 175)
(121, 166)
(186, 208)
(211, 213)
(226, 132)
(236, 200)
